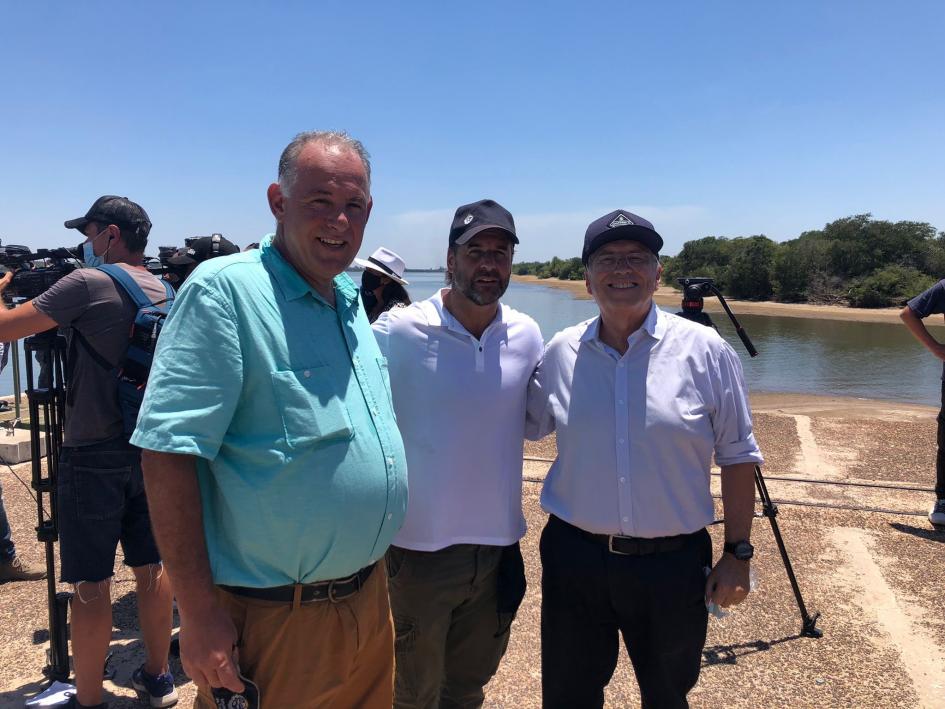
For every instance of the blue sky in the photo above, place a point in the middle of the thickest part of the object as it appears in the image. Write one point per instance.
(720, 118)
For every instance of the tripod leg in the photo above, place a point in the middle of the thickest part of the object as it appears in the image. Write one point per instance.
(45, 406)
(769, 509)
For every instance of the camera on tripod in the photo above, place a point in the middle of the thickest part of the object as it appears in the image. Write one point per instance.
(35, 271)
(175, 263)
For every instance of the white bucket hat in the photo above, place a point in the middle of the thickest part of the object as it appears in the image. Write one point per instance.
(385, 262)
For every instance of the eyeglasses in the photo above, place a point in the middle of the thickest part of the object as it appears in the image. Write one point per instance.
(610, 262)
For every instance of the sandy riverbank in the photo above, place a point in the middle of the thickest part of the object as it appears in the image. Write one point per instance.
(667, 295)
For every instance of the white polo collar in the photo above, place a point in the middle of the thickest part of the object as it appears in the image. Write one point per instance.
(438, 315)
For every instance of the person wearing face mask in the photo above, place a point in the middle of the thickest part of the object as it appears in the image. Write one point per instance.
(100, 488)
(382, 283)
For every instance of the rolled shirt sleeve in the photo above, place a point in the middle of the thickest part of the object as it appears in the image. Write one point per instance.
(731, 422)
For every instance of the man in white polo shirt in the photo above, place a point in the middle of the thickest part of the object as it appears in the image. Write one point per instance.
(459, 364)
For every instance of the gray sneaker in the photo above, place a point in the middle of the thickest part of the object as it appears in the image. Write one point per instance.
(16, 570)
(937, 513)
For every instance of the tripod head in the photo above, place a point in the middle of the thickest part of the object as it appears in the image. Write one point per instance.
(694, 291)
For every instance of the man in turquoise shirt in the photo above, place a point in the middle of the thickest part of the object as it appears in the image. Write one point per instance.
(274, 468)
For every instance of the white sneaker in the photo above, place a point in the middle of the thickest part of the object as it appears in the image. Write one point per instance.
(937, 513)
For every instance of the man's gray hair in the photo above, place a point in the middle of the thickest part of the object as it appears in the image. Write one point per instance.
(328, 138)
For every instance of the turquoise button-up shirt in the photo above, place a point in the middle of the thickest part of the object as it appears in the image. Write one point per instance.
(286, 403)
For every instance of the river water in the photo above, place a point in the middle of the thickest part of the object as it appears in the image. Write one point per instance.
(869, 360)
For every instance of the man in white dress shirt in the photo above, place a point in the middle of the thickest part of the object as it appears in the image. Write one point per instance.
(459, 363)
(640, 400)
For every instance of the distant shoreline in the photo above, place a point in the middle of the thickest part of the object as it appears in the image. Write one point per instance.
(667, 295)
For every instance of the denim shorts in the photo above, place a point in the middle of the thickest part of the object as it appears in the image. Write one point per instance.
(100, 503)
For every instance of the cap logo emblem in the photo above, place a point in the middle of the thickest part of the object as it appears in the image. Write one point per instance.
(620, 220)
(469, 218)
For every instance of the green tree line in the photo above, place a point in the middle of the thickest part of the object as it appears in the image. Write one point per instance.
(570, 269)
(857, 261)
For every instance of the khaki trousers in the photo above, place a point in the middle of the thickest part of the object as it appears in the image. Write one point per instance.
(319, 654)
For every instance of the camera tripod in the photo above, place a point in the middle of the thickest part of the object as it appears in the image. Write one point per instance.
(46, 404)
(694, 290)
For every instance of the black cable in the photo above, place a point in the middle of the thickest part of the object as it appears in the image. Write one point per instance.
(815, 481)
(802, 503)
(28, 488)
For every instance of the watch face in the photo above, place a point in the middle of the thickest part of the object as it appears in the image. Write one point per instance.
(743, 550)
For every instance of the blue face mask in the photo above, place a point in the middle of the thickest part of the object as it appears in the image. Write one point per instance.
(88, 254)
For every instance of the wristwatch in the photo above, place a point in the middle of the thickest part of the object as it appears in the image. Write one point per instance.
(742, 550)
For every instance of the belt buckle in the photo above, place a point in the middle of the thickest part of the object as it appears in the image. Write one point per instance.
(331, 589)
(610, 545)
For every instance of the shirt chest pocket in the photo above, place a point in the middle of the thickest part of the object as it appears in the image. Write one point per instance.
(312, 406)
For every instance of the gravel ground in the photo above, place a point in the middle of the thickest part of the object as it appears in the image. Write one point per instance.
(877, 579)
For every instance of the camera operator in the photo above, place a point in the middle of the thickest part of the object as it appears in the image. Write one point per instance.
(201, 249)
(101, 499)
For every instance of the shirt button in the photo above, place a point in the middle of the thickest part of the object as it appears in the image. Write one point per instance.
(620, 440)
(306, 374)
(620, 401)
(626, 519)
(620, 364)
(375, 412)
(623, 480)
(390, 515)
(390, 461)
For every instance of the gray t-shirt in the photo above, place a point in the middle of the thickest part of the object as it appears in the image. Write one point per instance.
(91, 302)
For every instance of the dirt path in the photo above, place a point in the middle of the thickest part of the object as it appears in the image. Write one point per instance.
(899, 619)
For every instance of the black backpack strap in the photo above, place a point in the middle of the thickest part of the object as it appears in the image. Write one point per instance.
(70, 361)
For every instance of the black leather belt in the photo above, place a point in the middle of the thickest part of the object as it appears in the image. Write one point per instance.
(632, 546)
(334, 590)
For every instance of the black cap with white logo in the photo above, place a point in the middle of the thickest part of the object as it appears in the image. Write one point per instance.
(620, 225)
(470, 219)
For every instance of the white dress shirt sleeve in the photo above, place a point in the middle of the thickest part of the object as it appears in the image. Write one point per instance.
(539, 414)
(731, 423)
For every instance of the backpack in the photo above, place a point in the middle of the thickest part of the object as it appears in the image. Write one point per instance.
(135, 366)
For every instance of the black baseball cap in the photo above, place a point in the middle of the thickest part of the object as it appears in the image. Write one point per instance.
(470, 219)
(203, 248)
(111, 209)
(620, 225)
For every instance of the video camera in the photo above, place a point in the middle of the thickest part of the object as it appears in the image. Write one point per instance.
(162, 267)
(36, 271)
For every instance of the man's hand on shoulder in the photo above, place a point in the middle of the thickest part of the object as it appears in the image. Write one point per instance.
(728, 584)
(207, 649)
